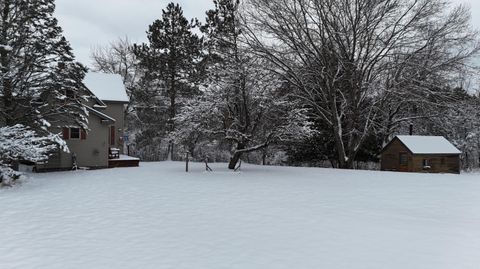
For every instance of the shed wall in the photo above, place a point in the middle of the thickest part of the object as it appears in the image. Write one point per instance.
(438, 163)
(390, 159)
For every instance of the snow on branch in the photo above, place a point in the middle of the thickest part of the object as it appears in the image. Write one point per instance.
(21, 143)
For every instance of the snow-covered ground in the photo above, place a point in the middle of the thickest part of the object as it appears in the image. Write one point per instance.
(157, 216)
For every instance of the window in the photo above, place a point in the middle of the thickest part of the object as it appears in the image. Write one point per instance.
(70, 94)
(425, 163)
(403, 159)
(74, 133)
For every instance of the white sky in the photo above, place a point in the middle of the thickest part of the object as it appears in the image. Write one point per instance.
(89, 23)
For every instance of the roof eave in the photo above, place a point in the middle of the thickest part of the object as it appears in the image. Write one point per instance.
(104, 118)
(116, 101)
(437, 153)
(399, 140)
(99, 102)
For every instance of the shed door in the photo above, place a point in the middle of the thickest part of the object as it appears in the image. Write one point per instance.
(403, 162)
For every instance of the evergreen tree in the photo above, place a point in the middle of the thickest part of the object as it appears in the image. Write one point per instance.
(170, 62)
(40, 82)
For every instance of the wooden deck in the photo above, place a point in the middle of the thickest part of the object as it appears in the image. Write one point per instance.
(124, 161)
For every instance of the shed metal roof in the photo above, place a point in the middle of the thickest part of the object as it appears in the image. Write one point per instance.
(428, 144)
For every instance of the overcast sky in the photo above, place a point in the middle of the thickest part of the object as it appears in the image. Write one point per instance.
(90, 23)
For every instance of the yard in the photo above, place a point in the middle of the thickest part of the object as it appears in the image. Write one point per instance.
(157, 216)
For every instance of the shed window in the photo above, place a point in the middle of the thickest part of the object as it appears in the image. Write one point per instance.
(403, 159)
(425, 163)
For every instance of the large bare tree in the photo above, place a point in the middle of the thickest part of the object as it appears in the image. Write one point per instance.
(241, 106)
(348, 59)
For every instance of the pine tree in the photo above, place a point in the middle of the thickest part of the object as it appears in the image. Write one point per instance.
(40, 82)
(170, 62)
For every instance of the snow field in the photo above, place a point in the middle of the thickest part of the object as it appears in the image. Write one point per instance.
(157, 216)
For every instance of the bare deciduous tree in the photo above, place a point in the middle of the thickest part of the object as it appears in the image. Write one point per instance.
(118, 58)
(349, 58)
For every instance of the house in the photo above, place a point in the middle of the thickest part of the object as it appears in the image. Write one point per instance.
(102, 145)
(431, 154)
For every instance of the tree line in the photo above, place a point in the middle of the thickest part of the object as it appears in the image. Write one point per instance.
(299, 81)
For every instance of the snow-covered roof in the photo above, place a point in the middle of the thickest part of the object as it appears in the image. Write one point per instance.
(428, 144)
(107, 87)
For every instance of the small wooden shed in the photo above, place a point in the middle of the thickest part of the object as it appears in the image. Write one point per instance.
(412, 153)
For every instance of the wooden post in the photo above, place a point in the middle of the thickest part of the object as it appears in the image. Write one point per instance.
(186, 162)
(207, 168)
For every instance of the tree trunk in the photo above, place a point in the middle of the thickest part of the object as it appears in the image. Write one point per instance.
(236, 157)
(170, 156)
(234, 160)
(5, 65)
(339, 146)
(351, 164)
(173, 110)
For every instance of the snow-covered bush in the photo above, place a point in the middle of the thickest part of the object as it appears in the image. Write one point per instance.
(20, 143)
(8, 176)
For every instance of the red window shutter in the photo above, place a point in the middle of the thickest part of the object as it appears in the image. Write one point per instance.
(112, 135)
(83, 135)
(66, 133)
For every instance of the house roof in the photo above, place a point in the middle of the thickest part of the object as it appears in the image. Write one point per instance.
(428, 144)
(107, 87)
